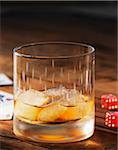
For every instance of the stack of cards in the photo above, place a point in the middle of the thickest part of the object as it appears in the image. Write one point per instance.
(4, 80)
(6, 99)
(6, 105)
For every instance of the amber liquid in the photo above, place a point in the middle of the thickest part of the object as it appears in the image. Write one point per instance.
(74, 124)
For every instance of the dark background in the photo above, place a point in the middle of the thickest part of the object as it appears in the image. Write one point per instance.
(91, 22)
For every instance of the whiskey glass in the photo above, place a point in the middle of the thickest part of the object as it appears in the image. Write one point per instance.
(54, 91)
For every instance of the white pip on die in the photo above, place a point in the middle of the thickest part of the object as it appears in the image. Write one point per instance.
(111, 119)
(6, 105)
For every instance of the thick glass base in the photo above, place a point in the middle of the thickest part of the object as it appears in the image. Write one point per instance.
(55, 133)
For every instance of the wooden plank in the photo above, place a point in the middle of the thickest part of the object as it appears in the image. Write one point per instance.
(9, 140)
(15, 144)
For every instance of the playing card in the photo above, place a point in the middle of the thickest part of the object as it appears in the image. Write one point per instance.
(4, 80)
(6, 105)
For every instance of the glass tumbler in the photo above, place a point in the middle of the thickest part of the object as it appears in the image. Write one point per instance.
(54, 92)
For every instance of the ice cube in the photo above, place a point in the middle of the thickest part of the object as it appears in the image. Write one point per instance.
(81, 110)
(59, 91)
(71, 98)
(33, 97)
(84, 98)
(51, 113)
(56, 94)
(72, 113)
(26, 111)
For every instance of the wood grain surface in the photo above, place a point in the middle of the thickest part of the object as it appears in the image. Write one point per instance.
(101, 33)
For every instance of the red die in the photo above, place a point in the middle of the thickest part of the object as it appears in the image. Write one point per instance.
(111, 119)
(109, 101)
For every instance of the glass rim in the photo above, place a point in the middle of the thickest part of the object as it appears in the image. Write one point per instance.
(91, 50)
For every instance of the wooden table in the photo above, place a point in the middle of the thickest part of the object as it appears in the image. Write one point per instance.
(101, 140)
(100, 33)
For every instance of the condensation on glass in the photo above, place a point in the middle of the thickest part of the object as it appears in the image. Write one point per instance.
(54, 92)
